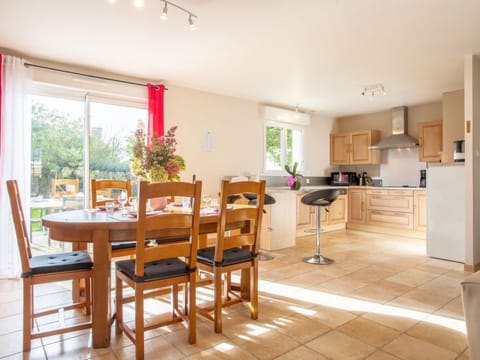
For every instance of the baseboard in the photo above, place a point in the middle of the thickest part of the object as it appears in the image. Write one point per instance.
(471, 268)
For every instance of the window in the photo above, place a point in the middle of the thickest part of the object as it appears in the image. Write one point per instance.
(75, 139)
(283, 145)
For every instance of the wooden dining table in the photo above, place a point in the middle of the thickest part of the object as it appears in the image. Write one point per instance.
(91, 226)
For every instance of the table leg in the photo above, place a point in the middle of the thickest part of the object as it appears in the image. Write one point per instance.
(101, 289)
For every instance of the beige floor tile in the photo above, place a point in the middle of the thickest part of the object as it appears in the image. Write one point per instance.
(369, 332)
(407, 347)
(388, 316)
(335, 345)
(343, 284)
(440, 335)
(453, 309)
(299, 327)
(379, 287)
(223, 351)
(263, 342)
(412, 277)
(303, 353)
(421, 300)
(464, 356)
(331, 317)
(381, 355)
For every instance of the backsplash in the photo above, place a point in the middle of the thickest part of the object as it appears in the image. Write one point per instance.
(401, 167)
(282, 180)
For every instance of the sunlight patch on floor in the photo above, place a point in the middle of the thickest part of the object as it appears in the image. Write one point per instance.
(352, 304)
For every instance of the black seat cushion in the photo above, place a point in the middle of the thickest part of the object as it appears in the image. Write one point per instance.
(68, 261)
(252, 199)
(320, 197)
(230, 256)
(120, 245)
(172, 239)
(154, 270)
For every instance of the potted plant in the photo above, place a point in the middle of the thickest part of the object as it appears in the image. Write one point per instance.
(157, 162)
(293, 179)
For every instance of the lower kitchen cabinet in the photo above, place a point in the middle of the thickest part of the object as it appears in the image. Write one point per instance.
(337, 212)
(420, 210)
(356, 206)
(394, 211)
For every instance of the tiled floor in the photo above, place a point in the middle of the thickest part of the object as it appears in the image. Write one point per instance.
(381, 299)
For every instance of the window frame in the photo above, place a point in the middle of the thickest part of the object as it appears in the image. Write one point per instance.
(284, 126)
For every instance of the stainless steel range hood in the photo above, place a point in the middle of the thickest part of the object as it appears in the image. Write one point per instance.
(399, 138)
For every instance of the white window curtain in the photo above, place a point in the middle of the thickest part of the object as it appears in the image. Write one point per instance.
(15, 130)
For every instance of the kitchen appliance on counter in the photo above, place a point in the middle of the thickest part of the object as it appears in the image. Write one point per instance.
(343, 178)
(459, 151)
(423, 178)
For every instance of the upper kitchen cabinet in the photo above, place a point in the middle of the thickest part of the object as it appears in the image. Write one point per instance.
(430, 140)
(353, 148)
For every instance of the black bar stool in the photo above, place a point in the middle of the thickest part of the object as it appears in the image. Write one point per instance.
(319, 199)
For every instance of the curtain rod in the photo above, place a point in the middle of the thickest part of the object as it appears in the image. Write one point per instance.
(87, 75)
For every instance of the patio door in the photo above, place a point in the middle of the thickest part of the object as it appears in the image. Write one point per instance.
(74, 140)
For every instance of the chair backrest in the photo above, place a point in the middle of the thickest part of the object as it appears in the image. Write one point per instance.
(181, 227)
(64, 187)
(108, 187)
(20, 225)
(250, 236)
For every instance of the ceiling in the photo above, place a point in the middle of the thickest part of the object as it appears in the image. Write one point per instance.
(319, 54)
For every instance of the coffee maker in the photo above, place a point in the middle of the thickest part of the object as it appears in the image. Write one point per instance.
(423, 178)
(458, 151)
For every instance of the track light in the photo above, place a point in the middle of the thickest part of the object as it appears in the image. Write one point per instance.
(193, 27)
(164, 15)
(191, 15)
(373, 90)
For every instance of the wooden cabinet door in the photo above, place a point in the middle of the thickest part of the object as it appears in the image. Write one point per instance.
(339, 144)
(356, 206)
(420, 210)
(391, 219)
(338, 211)
(430, 140)
(360, 141)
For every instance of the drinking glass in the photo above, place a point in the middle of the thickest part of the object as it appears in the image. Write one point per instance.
(132, 200)
(122, 199)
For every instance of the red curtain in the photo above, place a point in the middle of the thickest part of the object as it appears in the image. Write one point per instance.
(155, 110)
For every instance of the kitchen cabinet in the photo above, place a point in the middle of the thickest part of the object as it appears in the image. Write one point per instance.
(305, 214)
(353, 148)
(389, 211)
(337, 213)
(356, 206)
(420, 210)
(430, 140)
(392, 208)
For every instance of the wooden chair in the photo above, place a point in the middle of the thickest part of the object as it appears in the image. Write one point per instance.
(107, 187)
(61, 187)
(123, 248)
(170, 263)
(43, 269)
(234, 251)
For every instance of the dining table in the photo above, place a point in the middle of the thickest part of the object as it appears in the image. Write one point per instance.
(100, 228)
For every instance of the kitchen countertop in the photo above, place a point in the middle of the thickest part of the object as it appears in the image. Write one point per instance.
(321, 187)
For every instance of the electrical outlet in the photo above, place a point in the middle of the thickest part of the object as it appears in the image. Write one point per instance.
(307, 181)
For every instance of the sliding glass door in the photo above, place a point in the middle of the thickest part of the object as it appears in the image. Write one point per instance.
(73, 141)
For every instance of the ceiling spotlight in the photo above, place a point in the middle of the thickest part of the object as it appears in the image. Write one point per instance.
(164, 15)
(193, 27)
(112, 1)
(138, 3)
